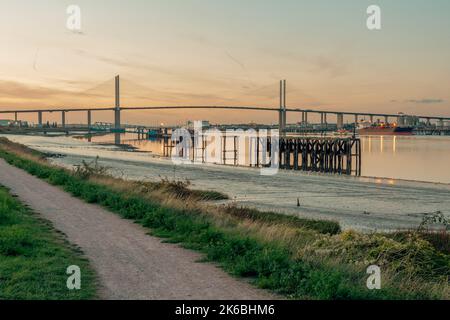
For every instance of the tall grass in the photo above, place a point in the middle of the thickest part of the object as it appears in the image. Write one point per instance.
(297, 258)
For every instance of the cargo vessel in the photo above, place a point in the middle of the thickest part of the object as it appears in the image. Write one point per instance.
(383, 129)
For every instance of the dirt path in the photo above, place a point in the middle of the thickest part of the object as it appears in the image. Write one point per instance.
(130, 264)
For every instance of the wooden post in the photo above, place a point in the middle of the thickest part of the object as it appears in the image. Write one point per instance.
(235, 151)
(257, 150)
(287, 154)
(224, 155)
(296, 154)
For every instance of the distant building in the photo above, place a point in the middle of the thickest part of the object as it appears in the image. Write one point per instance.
(407, 120)
(12, 123)
(205, 124)
(6, 123)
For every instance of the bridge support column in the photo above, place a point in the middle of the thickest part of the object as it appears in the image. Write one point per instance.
(40, 119)
(371, 118)
(386, 119)
(340, 121)
(117, 112)
(282, 112)
(356, 119)
(441, 123)
(280, 119)
(321, 119)
(325, 119)
(63, 119)
(285, 107)
(428, 122)
(89, 120)
(15, 116)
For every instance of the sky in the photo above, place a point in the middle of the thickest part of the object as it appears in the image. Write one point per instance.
(211, 52)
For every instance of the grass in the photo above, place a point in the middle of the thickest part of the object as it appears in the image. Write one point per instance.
(298, 258)
(321, 226)
(175, 188)
(34, 258)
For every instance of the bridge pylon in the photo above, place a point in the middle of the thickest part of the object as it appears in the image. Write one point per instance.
(117, 124)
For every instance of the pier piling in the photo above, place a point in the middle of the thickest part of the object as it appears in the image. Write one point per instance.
(326, 155)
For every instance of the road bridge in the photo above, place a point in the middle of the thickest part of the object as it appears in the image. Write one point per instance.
(281, 110)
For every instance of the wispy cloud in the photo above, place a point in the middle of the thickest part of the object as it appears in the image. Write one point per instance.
(235, 60)
(15, 89)
(420, 101)
(334, 66)
(426, 101)
(15, 94)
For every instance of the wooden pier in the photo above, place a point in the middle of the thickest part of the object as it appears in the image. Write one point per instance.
(326, 155)
(340, 156)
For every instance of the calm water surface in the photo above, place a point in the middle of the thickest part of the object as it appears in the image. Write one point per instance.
(421, 158)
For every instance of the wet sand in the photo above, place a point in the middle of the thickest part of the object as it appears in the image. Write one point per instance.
(366, 204)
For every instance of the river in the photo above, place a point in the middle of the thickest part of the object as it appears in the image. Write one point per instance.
(417, 158)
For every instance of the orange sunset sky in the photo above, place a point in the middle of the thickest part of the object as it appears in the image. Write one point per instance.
(211, 52)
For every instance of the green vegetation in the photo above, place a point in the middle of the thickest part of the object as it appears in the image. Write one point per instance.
(34, 258)
(176, 188)
(298, 258)
(321, 226)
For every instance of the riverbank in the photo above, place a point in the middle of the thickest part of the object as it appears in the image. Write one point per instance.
(364, 204)
(129, 264)
(292, 257)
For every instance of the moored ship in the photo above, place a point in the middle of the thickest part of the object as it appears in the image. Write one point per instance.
(384, 129)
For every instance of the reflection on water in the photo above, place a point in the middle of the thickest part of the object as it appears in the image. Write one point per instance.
(422, 158)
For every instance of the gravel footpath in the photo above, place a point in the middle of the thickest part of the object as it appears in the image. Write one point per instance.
(130, 264)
